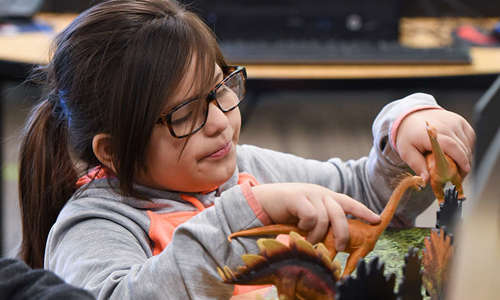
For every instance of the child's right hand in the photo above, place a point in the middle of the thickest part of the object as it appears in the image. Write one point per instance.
(313, 208)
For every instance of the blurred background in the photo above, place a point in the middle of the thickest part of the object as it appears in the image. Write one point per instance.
(314, 104)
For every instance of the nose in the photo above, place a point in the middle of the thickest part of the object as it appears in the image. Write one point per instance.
(217, 120)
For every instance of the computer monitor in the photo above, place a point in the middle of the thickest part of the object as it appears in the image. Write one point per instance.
(297, 19)
(486, 120)
(487, 148)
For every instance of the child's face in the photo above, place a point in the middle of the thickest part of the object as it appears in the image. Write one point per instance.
(209, 157)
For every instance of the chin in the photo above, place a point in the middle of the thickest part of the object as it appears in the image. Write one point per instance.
(223, 174)
(214, 175)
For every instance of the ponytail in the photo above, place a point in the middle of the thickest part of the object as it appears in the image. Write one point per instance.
(47, 178)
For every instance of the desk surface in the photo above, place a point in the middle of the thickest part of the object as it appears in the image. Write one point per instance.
(34, 48)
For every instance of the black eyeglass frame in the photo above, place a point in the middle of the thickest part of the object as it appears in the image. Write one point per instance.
(212, 95)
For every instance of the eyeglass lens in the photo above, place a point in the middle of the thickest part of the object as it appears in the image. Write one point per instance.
(231, 92)
(192, 116)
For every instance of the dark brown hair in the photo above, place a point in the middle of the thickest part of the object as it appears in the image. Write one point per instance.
(112, 71)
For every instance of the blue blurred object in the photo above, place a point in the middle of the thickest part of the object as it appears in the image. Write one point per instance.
(496, 31)
(23, 26)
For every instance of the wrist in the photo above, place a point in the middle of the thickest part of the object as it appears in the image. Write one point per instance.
(255, 205)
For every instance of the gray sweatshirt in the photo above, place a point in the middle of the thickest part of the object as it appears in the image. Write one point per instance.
(122, 248)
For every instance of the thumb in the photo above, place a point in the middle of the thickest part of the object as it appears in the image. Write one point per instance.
(416, 161)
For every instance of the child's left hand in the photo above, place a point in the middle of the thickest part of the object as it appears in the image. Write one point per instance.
(455, 136)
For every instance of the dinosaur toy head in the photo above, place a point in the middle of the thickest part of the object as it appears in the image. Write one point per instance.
(419, 181)
(411, 180)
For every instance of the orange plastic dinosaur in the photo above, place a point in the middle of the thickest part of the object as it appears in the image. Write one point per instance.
(441, 168)
(362, 236)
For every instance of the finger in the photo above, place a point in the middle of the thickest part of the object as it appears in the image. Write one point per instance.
(464, 140)
(322, 222)
(468, 152)
(460, 138)
(339, 224)
(470, 135)
(416, 161)
(305, 213)
(356, 208)
(453, 150)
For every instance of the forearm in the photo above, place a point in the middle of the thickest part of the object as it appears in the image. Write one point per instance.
(384, 166)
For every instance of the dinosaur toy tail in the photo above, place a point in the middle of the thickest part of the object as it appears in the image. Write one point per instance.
(267, 230)
(441, 161)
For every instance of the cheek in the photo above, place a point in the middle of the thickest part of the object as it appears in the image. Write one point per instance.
(235, 121)
(162, 155)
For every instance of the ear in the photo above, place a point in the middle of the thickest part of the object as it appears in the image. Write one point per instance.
(101, 145)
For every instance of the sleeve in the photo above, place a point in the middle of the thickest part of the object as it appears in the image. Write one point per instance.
(109, 255)
(370, 179)
(19, 281)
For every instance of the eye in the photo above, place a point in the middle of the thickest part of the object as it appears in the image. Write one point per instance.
(223, 90)
(181, 116)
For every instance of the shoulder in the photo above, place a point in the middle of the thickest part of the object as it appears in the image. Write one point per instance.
(255, 152)
(94, 198)
(90, 222)
(99, 204)
(251, 152)
(267, 165)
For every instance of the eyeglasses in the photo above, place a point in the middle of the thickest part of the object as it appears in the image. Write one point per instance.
(187, 118)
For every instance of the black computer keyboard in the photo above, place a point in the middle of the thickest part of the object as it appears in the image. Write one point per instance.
(344, 52)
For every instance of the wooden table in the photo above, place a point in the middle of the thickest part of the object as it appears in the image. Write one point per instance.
(33, 48)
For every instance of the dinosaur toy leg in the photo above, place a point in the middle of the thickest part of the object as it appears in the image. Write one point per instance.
(352, 261)
(457, 182)
(437, 188)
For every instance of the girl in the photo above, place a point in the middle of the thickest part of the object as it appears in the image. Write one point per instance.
(142, 102)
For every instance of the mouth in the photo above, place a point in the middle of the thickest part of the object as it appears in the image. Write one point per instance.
(221, 152)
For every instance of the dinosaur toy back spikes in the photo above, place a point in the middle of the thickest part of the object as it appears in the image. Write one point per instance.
(441, 168)
(362, 236)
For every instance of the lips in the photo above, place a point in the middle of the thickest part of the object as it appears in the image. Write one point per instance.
(221, 152)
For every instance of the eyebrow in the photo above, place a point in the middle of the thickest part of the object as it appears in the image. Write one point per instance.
(219, 74)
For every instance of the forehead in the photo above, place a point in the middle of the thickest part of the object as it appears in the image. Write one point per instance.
(197, 80)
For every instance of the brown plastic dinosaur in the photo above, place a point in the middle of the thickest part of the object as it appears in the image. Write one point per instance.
(362, 236)
(441, 168)
(298, 271)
